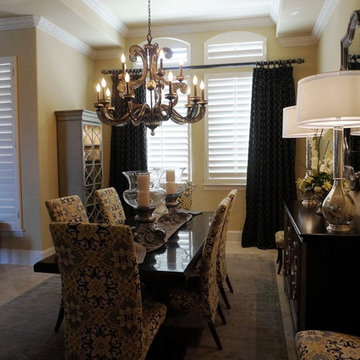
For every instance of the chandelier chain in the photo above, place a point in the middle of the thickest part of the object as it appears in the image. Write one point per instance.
(149, 37)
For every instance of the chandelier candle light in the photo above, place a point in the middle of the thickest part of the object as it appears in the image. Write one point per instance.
(154, 77)
(330, 100)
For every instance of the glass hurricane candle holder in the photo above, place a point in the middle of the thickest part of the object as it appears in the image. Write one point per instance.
(147, 232)
(172, 180)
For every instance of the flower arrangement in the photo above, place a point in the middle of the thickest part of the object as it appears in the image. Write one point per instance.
(317, 184)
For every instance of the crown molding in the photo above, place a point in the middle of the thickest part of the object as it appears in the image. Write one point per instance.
(293, 41)
(274, 10)
(323, 18)
(102, 11)
(63, 36)
(255, 22)
(17, 22)
(29, 21)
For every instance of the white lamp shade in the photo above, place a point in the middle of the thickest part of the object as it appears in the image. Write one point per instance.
(289, 128)
(328, 100)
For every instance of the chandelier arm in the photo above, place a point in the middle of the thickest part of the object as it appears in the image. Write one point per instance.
(134, 52)
(137, 112)
(106, 117)
(195, 115)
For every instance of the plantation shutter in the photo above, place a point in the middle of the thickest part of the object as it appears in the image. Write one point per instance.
(238, 51)
(228, 123)
(10, 217)
(170, 146)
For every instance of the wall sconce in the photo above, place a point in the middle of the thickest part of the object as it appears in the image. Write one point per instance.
(330, 101)
(290, 130)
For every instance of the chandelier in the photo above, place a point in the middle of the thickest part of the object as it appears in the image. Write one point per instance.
(156, 81)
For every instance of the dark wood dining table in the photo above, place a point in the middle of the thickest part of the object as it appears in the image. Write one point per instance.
(171, 263)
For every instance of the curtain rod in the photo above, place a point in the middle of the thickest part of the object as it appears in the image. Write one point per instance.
(209, 66)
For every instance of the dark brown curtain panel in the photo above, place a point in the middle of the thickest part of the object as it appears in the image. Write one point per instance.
(271, 161)
(128, 144)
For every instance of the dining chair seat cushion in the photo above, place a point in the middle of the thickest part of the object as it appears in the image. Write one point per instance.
(67, 209)
(110, 206)
(326, 345)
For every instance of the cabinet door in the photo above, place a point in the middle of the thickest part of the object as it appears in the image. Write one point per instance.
(93, 171)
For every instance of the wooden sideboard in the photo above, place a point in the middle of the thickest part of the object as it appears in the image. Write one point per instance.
(321, 272)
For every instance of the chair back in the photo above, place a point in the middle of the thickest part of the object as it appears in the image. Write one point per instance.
(185, 199)
(101, 291)
(110, 206)
(208, 280)
(67, 209)
(221, 261)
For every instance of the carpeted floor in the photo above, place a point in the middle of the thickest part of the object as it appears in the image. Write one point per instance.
(254, 330)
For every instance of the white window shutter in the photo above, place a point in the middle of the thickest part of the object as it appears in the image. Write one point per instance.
(228, 123)
(10, 209)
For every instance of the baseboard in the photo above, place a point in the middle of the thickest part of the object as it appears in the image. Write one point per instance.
(234, 236)
(23, 257)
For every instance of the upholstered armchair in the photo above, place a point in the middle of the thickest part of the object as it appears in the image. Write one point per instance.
(66, 209)
(106, 316)
(200, 297)
(185, 199)
(326, 345)
(222, 274)
(110, 206)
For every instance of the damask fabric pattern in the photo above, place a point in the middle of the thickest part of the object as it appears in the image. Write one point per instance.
(326, 345)
(110, 206)
(128, 143)
(68, 208)
(271, 160)
(106, 317)
(185, 199)
(202, 300)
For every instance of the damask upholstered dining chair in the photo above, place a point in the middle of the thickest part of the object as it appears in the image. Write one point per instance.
(106, 316)
(222, 274)
(326, 345)
(66, 209)
(110, 206)
(200, 296)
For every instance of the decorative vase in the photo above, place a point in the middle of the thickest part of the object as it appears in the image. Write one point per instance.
(309, 203)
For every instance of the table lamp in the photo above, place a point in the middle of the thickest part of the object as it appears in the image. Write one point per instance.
(331, 101)
(290, 130)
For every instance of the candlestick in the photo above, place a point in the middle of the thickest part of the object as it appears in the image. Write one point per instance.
(98, 89)
(103, 84)
(195, 81)
(127, 79)
(108, 93)
(123, 64)
(170, 77)
(181, 69)
(202, 87)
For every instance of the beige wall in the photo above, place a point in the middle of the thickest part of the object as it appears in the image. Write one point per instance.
(22, 44)
(64, 83)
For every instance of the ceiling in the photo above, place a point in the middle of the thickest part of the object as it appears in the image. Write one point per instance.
(101, 24)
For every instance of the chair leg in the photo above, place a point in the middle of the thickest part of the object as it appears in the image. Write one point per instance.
(221, 314)
(60, 317)
(229, 284)
(279, 259)
(222, 292)
(215, 335)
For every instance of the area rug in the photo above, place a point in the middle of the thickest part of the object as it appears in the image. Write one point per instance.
(254, 327)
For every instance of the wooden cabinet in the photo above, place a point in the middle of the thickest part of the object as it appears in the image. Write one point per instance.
(79, 136)
(321, 272)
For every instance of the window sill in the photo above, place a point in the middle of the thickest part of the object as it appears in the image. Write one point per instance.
(224, 187)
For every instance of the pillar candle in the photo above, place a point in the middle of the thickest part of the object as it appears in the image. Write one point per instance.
(170, 187)
(170, 175)
(143, 182)
(143, 198)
